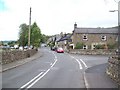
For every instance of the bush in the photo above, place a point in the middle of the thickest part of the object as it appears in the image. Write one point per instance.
(99, 46)
(111, 46)
(79, 45)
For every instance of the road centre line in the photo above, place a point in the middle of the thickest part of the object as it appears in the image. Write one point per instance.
(79, 62)
(84, 63)
(80, 66)
(38, 77)
(41, 76)
(32, 80)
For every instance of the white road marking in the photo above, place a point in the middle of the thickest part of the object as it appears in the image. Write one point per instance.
(39, 76)
(84, 63)
(38, 79)
(79, 62)
(32, 80)
(86, 82)
(80, 66)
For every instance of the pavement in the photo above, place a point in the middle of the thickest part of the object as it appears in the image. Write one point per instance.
(20, 62)
(96, 77)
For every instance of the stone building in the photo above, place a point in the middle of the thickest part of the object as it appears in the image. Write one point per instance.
(64, 41)
(91, 37)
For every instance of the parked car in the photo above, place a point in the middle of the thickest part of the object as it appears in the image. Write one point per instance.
(54, 48)
(60, 50)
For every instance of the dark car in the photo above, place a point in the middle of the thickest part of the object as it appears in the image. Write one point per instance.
(54, 48)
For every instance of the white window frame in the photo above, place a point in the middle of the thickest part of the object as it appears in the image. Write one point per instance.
(103, 38)
(84, 37)
(85, 47)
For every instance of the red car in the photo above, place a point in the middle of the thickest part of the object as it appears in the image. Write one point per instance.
(60, 50)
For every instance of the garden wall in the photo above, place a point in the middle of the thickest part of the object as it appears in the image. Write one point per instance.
(113, 70)
(93, 52)
(9, 56)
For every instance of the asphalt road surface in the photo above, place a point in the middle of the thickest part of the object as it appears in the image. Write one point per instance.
(59, 70)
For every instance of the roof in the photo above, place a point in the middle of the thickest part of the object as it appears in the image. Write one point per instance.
(66, 37)
(96, 30)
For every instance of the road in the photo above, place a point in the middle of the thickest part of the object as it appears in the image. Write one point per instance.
(58, 70)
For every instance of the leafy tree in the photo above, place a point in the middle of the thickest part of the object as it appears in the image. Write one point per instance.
(23, 35)
(12, 43)
(44, 38)
(35, 35)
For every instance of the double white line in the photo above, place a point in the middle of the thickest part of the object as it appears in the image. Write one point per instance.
(35, 78)
(38, 77)
(80, 65)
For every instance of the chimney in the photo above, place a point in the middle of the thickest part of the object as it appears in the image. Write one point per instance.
(75, 25)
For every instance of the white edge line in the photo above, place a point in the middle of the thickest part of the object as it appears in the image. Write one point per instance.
(31, 80)
(86, 82)
(84, 63)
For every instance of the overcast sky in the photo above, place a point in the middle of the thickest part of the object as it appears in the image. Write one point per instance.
(55, 16)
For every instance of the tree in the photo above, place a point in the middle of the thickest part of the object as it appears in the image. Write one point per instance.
(35, 35)
(12, 43)
(23, 35)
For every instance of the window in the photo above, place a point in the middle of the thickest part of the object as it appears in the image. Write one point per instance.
(103, 38)
(84, 46)
(94, 46)
(85, 37)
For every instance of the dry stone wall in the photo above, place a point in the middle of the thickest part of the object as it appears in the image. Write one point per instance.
(93, 52)
(113, 70)
(9, 56)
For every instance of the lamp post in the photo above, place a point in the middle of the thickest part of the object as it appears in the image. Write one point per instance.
(118, 40)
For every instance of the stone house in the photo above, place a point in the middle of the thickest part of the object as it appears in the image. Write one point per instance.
(91, 37)
(64, 41)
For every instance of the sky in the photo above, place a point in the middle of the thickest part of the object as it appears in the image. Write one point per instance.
(55, 16)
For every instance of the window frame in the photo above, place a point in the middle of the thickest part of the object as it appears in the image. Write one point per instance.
(86, 47)
(104, 38)
(85, 37)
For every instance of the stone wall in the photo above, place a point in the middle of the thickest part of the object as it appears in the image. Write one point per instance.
(93, 52)
(113, 70)
(10, 56)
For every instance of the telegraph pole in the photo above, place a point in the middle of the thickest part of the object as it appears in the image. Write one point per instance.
(29, 28)
(118, 45)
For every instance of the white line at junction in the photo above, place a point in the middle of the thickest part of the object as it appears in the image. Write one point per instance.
(80, 66)
(84, 63)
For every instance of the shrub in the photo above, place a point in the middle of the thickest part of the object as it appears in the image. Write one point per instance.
(111, 46)
(79, 45)
(99, 46)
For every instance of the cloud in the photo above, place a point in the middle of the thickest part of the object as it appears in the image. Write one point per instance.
(55, 16)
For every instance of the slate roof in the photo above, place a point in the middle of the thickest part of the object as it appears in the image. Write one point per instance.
(66, 37)
(96, 30)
